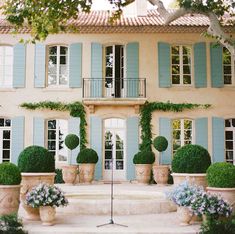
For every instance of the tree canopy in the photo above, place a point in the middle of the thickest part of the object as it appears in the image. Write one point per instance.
(46, 17)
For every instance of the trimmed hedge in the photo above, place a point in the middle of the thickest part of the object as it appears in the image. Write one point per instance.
(58, 176)
(160, 143)
(36, 159)
(191, 159)
(87, 156)
(9, 174)
(71, 141)
(221, 175)
(144, 157)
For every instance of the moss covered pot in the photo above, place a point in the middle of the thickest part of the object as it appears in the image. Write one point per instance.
(10, 179)
(37, 165)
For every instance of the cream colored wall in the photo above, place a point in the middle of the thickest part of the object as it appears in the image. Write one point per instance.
(221, 99)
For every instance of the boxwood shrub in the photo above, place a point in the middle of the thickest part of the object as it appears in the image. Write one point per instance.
(58, 176)
(160, 143)
(191, 159)
(9, 174)
(36, 159)
(71, 141)
(221, 175)
(87, 156)
(144, 157)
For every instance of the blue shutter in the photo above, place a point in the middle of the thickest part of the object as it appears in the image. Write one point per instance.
(164, 65)
(75, 65)
(201, 132)
(96, 70)
(200, 74)
(40, 66)
(19, 62)
(74, 128)
(38, 131)
(218, 140)
(96, 143)
(132, 69)
(132, 145)
(165, 130)
(17, 138)
(216, 66)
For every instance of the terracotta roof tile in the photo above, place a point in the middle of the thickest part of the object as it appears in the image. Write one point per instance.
(98, 22)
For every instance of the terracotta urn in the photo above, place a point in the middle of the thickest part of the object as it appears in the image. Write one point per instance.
(69, 173)
(47, 215)
(160, 174)
(184, 215)
(196, 178)
(143, 173)
(86, 172)
(30, 180)
(9, 199)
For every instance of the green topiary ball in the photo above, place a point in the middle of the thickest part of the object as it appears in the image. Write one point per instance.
(144, 157)
(221, 175)
(160, 143)
(9, 174)
(87, 156)
(191, 159)
(71, 141)
(36, 159)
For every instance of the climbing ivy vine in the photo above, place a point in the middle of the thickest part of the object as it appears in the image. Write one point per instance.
(76, 109)
(146, 118)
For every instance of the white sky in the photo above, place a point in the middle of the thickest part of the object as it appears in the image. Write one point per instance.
(104, 4)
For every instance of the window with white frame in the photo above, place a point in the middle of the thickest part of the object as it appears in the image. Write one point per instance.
(228, 67)
(230, 140)
(181, 68)
(58, 65)
(5, 140)
(57, 130)
(6, 66)
(182, 133)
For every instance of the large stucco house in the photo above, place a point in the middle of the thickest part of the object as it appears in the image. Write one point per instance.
(113, 70)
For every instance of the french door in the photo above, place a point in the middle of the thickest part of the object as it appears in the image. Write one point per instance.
(114, 149)
(114, 71)
(5, 140)
(230, 140)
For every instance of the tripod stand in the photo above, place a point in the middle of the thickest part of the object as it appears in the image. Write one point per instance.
(111, 222)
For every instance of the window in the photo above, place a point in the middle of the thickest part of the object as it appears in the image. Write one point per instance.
(5, 140)
(57, 130)
(58, 66)
(181, 65)
(230, 140)
(182, 131)
(228, 67)
(6, 66)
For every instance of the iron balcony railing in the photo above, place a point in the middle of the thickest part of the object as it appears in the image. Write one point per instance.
(114, 88)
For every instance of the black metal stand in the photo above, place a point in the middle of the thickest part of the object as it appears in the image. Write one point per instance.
(111, 222)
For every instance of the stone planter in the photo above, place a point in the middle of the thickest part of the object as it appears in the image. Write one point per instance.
(30, 180)
(160, 174)
(86, 172)
(227, 194)
(47, 215)
(9, 199)
(70, 173)
(184, 215)
(197, 179)
(143, 173)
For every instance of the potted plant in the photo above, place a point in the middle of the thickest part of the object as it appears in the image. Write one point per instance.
(86, 159)
(182, 195)
(191, 162)
(10, 179)
(36, 165)
(143, 165)
(221, 180)
(46, 197)
(70, 171)
(160, 172)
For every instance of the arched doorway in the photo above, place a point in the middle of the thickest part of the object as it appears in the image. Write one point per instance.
(114, 147)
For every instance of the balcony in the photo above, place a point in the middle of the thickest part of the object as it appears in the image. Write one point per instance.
(114, 91)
